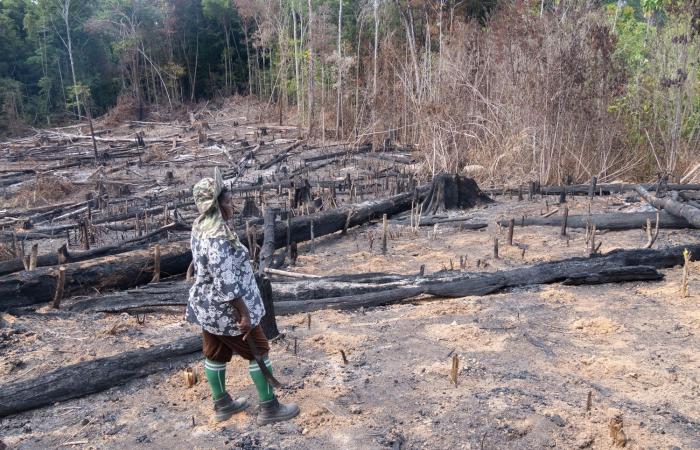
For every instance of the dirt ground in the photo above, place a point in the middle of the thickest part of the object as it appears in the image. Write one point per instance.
(528, 358)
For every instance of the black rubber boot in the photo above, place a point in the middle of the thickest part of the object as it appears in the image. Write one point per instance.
(273, 411)
(225, 407)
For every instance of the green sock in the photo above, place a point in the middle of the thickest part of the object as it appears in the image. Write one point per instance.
(265, 389)
(216, 376)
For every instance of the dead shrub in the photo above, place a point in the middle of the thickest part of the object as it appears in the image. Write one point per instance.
(526, 97)
(127, 108)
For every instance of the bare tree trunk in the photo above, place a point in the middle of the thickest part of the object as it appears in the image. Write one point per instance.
(376, 46)
(311, 70)
(323, 106)
(296, 63)
(257, 72)
(155, 69)
(357, 79)
(92, 130)
(339, 108)
(65, 15)
(194, 76)
(442, 4)
(63, 87)
(227, 59)
(407, 19)
(283, 72)
(247, 52)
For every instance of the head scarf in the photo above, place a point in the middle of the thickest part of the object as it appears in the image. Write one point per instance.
(210, 223)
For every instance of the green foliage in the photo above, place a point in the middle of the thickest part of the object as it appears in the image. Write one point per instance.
(633, 36)
(167, 51)
(661, 102)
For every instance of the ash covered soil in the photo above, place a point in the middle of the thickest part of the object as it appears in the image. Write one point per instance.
(528, 358)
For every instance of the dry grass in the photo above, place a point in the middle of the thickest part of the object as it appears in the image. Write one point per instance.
(526, 98)
(5, 252)
(44, 190)
(529, 97)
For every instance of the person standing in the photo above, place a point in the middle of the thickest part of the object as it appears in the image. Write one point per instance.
(226, 303)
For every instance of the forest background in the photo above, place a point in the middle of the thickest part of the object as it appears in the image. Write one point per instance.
(501, 89)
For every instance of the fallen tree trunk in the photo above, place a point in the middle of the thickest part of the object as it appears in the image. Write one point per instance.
(584, 189)
(346, 151)
(281, 156)
(615, 221)
(127, 270)
(483, 286)
(615, 275)
(366, 300)
(456, 221)
(16, 265)
(342, 292)
(678, 209)
(328, 222)
(88, 377)
(612, 188)
(109, 272)
(177, 293)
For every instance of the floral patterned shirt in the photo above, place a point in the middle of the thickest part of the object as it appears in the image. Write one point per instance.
(222, 273)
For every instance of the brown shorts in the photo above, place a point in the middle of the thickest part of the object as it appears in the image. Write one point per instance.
(221, 348)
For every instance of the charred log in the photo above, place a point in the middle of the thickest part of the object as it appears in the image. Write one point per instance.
(616, 221)
(678, 209)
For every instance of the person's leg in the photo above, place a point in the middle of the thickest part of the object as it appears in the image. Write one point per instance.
(270, 409)
(265, 390)
(216, 376)
(217, 354)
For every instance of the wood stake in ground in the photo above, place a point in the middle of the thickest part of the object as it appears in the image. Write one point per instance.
(511, 225)
(592, 250)
(384, 229)
(60, 282)
(156, 264)
(589, 401)
(313, 237)
(686, 273)
(616, 432)
(33, 255)
(651, 237)
(455, 369)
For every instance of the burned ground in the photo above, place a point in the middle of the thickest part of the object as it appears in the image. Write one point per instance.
(538, 366)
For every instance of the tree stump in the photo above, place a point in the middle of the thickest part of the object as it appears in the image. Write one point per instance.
(302, 194)
(269, 321)
(453, 192)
